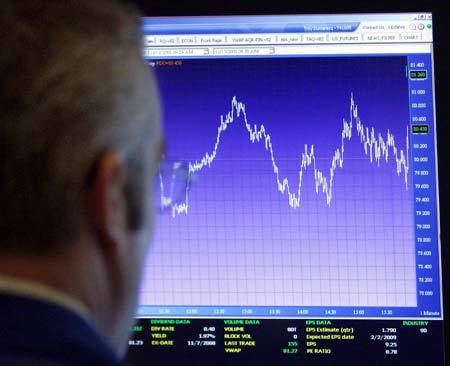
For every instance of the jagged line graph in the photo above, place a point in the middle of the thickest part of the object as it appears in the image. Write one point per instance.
(375, 146)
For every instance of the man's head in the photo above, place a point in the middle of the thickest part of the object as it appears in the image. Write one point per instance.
(79, 142)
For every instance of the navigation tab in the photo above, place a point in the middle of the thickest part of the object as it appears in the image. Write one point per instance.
(187, 40)
(167, 40)
(252, 39)
(411, 36)
(290, 38)
(211, 39)
(382, 37)
(315, 38)
(346, 38)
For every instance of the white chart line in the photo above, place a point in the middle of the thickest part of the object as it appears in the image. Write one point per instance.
(376, 147)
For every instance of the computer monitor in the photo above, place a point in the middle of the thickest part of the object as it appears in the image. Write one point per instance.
(299, 206)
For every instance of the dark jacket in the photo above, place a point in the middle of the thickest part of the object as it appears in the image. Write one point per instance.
(36, 333)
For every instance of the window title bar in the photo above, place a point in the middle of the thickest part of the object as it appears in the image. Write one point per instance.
(273, 23)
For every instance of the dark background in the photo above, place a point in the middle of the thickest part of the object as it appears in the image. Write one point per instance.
(441, 22)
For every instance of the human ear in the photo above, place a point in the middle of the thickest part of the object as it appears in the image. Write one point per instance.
(106, 201)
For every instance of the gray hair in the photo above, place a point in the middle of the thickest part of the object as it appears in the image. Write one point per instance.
(71, 89)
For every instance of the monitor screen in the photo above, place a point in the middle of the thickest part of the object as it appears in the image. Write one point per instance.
(298, 217)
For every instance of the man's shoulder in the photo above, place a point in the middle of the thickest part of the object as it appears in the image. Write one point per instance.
(18, 359)
(37, 333)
